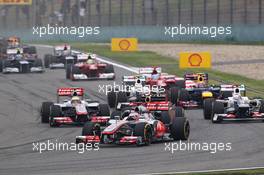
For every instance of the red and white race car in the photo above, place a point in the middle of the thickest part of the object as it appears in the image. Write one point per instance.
(154, 76)
(88, 67)
(73, 109)
(139, 125)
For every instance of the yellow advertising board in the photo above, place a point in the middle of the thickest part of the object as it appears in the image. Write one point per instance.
(15, 2)
(195, 60)
(124, 44)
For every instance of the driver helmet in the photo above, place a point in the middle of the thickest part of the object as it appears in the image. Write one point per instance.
(75, 100)
(236, 94)
(133, 116)
(154, 76)
(90, 60)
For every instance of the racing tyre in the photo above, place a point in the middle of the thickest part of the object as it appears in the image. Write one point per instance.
(217, 108)
(104, 110)
(179, 112)
(111, 99)
(74, 70)
(165, 117)
(47, 60)
(90, 128)
(109, 68)
(121, 97)
(144, 132)
(45, 111)
(5, 63)
(180, 84)
(68, 71)
(38, 63)
(1, 66)
(55, 111)
(261, 109)
(184, 95)
(180, 128)
(207, 108)
(173, 95)
(32, 50)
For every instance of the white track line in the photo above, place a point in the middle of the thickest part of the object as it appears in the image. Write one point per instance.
(128, 68)
(131, 69)
(203, 171)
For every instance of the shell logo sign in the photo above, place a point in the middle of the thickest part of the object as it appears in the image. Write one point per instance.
(124, 44)
(15, 2)
(195, 60)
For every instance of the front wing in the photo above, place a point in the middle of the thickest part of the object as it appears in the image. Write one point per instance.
(255, 116)
(100, 76)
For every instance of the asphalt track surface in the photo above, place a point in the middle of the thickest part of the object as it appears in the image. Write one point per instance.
(20, 99)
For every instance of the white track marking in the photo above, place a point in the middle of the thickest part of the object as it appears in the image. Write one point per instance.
(203, 171)
(128, 68)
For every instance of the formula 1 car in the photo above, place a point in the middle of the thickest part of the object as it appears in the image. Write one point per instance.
(146, 85)
(234, 108)
(137, 93)
(138, 126)
(74, 110)
(197, 90)
(87, 68)
(154, 76)
(16, 62)
(3, 46)
(62, 56)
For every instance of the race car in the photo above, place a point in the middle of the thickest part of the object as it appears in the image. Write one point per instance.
(145, 85)
(88, 67)
(3, 46)
(62, 56)
(236, 107)
(16, 62)
(138, 126)
(155, 77)
(138, 93)
(73, 109)
(197, 90)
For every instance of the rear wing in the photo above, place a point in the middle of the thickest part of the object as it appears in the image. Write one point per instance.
(62, 47)
(82, 57)
(229, 87)
(149, 70)
(196, 76)
(70, 91)
(133, 79)
(12, 51)
(151, 106)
